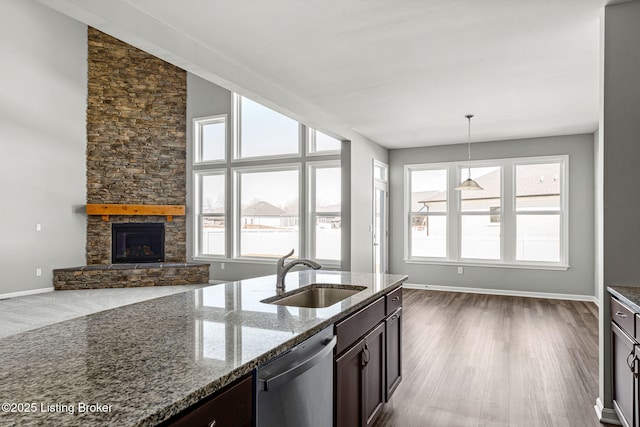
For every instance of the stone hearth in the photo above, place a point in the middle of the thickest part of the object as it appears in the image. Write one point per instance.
(130, 275)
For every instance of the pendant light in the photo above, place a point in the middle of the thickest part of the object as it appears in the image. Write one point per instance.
(468, 184)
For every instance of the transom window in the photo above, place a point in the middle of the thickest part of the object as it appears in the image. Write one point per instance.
(519, 218)
(210, 134)
(319, 142)
(262, 132)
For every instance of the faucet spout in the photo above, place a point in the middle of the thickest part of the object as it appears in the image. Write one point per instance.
(282, 269)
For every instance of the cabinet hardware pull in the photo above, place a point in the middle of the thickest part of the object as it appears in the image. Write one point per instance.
(396, 298)
(620, 314)
(394, 317)
(633, 361)
(366, 355)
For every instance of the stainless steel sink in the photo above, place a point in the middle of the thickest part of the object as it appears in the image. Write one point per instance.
(315, 296)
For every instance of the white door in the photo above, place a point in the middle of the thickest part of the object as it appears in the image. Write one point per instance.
(380, 218)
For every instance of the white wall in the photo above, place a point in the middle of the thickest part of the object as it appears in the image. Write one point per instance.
(42, 131)
(577, 280)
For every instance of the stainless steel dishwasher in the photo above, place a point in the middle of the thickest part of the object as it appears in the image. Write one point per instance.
(296, 388)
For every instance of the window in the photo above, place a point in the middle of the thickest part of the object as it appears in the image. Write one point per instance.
(538, 213)
(211, 213)
(480, 213)
(519, 219)
(210, 138)
(319, 142)
(325, 201)
(269, 211)
(250, 207)
(262, 132)
(428, 212)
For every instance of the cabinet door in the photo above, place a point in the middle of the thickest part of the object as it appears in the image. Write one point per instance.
(623, 378)
(231, 407)
(374, 373)
(393, 329)
(349, 382)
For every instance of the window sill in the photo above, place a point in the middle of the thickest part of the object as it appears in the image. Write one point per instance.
(523, 266)
(326, 265)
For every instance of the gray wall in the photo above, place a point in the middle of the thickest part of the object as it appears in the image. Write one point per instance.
(620, 129)
(363, 152)
(577, 280)
(42, 132)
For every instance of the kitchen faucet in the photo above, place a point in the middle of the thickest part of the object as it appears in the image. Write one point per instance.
(282, 270)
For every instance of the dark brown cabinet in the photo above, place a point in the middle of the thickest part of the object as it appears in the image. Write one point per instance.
(625, 352)
(231, 407)
(368, 360)
(393, 332)
(360, 391)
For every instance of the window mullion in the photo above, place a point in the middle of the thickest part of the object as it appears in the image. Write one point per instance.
(507, 217)
(453, 214)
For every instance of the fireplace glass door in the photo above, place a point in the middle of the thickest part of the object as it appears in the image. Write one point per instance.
(137, 242)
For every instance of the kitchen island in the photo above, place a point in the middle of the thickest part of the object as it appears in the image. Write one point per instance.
(141, 364)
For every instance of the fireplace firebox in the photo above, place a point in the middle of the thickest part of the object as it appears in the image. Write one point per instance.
(137, 242)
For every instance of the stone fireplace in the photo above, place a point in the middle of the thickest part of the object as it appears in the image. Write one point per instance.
(136, 155)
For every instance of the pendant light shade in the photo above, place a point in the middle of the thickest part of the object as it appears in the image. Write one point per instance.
(468, 184)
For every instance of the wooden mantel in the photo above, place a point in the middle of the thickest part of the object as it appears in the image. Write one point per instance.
(105, 210)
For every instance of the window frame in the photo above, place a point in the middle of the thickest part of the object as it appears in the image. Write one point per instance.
(198, 124)
(408, 213)
(563, 209)
(236, 197)
(198, 200)
(232, 212)
(311, 213)
(508, 214)
(461, 175)
(236, 143)
(311, 143)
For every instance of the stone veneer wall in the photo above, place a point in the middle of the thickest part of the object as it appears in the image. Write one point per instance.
(136, 140)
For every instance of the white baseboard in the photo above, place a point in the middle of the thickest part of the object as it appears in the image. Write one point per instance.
(217, 282)
(23, 293)
(548, 295)
(606, 415)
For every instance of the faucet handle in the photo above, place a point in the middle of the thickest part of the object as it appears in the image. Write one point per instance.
(281, 260)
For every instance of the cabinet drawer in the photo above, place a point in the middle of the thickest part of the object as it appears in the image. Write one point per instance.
(355, 326)
(623, 316)
(393, 300)
(231, 407)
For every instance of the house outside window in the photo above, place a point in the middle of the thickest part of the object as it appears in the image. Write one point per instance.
(519, 219)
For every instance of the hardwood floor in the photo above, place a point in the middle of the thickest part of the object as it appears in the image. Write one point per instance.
(485, 360)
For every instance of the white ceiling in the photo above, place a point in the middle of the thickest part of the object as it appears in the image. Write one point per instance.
(403, 73)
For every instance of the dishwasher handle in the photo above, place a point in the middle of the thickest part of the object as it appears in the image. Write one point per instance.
(289, 374)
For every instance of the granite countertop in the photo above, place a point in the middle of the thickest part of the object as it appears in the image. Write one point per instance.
(139, 364)
(630, 295)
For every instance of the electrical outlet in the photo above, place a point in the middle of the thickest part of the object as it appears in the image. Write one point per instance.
(38, 227)
(460, 270)
(38, 272)
(222, 266)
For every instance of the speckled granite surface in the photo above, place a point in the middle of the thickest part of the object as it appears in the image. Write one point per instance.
(627, 294)
(142, 363)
